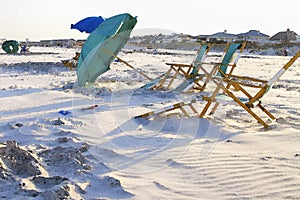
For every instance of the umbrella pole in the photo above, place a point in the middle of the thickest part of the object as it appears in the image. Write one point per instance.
(126, 63)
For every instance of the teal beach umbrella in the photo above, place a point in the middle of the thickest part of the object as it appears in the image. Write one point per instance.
(102, 46)
(10, 46)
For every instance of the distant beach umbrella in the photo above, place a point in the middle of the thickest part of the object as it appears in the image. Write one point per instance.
(88, 24)
(102, 46)
(10, 46)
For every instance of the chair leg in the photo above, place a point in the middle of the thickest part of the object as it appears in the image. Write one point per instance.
(213, 110)
(202, 114)
(163, 80)
(198, 86)
(184, 111)
(208, 76)
(172, 79)
(194, 109)
(189, 70)
(256, 117)
(211, 99)
(247, 109)
(266, 111)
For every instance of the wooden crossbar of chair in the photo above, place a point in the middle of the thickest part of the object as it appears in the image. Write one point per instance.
(252, 100)
(182, 106)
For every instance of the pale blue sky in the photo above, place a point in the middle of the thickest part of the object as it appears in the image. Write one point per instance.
(51, 19)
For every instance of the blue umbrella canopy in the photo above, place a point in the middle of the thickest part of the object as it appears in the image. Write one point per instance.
(102, 46)
(88, 24)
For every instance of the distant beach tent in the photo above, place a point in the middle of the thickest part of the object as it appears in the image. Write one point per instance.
(102, 46)
(10, 46)
(88, 24)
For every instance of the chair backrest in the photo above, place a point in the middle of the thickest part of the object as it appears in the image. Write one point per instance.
(231, 51)
(275, 78)
(201, 55)
(283, 69)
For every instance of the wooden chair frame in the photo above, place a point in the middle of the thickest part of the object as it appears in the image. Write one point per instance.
(223, 84)
(239, 84)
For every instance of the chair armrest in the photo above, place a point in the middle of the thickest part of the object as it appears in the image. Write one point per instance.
(214, 63)
(179, 65)
(248, 78)
(246, 81)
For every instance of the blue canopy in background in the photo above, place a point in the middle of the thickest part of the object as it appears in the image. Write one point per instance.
(88, 24)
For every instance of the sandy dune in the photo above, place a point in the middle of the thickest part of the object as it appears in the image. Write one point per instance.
(104, 153)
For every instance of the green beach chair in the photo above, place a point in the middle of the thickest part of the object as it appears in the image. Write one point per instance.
(194, 79)
(250, 99)
(177, 69)
(229, 59)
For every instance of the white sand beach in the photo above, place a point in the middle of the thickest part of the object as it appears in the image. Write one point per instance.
(51, 147)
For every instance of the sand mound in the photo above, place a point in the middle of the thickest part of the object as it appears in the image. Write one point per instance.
(28, 174)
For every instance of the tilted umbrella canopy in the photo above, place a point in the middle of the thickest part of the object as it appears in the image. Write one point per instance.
(88, 24)
(102, 45)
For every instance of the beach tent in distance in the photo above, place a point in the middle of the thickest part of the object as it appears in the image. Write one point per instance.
(88, 24)
(102, 46)
(10, 46)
